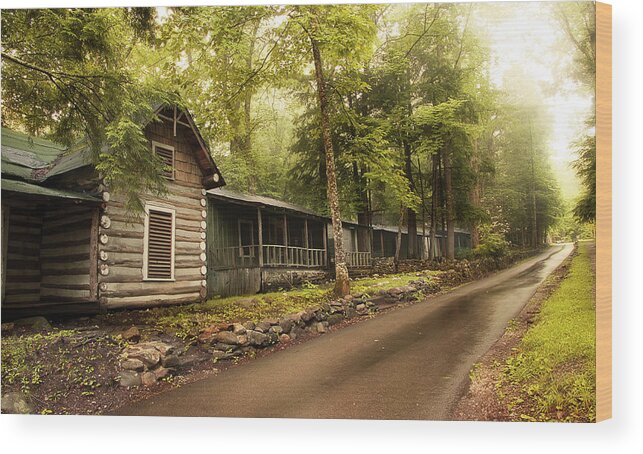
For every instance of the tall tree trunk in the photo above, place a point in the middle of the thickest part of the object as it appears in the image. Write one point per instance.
(450, 215)
(398, 238)
(474, 195)
(423, 251)
(433, 250)
(411, 215)
(534, 219)
(342, 282)
(246, 139)
(363, 215)
(441, 198)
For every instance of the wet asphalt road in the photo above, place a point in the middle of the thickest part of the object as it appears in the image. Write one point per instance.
(410, 363)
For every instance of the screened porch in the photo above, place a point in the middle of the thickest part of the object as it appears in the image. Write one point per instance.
(261, 237)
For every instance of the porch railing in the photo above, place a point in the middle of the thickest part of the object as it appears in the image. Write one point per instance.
(279, 255)
(234, 257)
(358, 259)
(273, 256)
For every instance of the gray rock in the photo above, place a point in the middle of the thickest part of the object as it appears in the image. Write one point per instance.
(289, 321)
(348, 298)
(272, 321)
(161, 372)
(16, 403)
(276, 329)
(38, 323)
(307, 315)
(263, 327)
(395, 291)
(148, 378)
(360, 307)
(149, 356)
(350, 312)
(224, 347)
(129, 379)
(171, 361)
(192, 358)
(131, 334)
(249, 325)
(335, 319)
(243, 340)
(238, 329)
(226, 337)
(258, 339)
(133, 364)
(218, 354)
(320, 328)
(163, 348)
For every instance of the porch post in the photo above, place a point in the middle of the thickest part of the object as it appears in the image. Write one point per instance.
(306, 241)
(286, 239)
(325, 235)
(260, 226)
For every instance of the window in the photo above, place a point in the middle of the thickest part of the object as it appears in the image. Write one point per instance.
(166, 153)
(158, 257)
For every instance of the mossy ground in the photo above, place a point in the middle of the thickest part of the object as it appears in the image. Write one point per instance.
(553, 368)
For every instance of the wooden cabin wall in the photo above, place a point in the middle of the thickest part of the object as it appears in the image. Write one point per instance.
(121, 243)
(22, 280)
(65, 253)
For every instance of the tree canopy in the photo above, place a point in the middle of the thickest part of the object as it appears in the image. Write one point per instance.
(395, 103)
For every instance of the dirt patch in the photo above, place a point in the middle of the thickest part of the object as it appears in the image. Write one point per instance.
(488, 398)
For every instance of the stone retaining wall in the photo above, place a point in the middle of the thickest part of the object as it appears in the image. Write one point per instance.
(147, 362)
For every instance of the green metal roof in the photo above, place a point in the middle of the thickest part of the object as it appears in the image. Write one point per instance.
(35, 159)
(28, 188)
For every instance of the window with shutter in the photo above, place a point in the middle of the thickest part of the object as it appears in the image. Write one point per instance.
(166, 153)
(159, 244)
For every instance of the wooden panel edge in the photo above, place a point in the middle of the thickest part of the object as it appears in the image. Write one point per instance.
(603, 211)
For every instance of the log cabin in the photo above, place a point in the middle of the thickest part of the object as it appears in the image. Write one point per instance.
(69, 245)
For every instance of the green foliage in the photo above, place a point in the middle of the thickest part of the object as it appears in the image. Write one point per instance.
(555, 365)
(492, 244)
(585, 166)
(409, 90)
(76, 75)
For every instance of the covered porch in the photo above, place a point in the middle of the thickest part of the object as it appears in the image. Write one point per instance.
(49, 250)
(251, 236)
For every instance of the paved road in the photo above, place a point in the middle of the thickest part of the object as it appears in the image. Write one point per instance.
(411, 363)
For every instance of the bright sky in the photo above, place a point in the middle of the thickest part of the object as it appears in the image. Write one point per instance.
(527, 35)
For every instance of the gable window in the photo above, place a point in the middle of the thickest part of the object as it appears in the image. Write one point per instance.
(166, 153)
(158, 257)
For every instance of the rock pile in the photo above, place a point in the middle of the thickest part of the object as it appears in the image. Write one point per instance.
(147, 362)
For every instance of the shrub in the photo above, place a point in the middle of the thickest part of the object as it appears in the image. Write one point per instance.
(492, 244)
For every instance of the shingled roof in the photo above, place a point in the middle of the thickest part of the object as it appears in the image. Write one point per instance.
(34, 159)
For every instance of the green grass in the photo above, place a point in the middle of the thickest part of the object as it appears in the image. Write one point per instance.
(371, 285)
(554, 364)
(186, 321)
